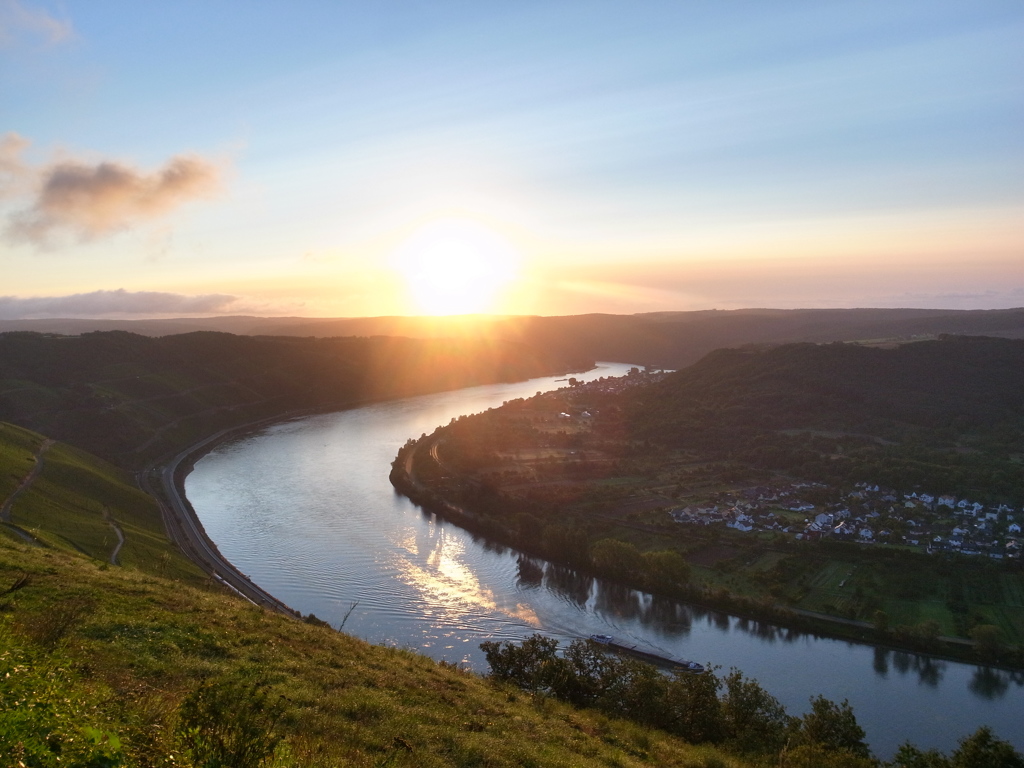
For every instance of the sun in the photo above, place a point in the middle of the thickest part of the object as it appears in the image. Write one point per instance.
(456, 267)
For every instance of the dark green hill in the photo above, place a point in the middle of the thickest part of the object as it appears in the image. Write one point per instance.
(676, 339)
(947, 413)
(132, 399)
(670, 339)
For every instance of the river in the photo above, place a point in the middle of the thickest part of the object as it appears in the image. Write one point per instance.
(305, 509)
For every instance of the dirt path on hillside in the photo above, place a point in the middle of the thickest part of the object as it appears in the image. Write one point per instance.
(120, 535)
(26, 482)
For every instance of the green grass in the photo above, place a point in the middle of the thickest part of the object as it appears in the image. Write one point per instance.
(766, 561)
(72, 502)
(824, 593)
(17, 456)
(144, 642)
(97, 659)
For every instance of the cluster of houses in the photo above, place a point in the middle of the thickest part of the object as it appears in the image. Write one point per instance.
(616, 384)
(869, 514)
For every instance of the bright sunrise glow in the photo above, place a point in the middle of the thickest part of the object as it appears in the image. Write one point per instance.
(456, 267)
(649, 157)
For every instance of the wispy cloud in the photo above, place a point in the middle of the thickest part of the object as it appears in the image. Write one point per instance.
(118, 303)
(23, 23)
(15, 174)
(89, 200)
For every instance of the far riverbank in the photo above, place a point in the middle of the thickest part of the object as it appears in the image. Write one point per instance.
(403, 478)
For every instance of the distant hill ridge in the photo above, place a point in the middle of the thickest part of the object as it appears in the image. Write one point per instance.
(670, 339)
(132, 399)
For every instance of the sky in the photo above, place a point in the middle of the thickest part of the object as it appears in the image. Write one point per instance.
(400, 158)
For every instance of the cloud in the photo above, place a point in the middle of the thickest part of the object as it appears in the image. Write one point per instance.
(106, 303)
(15, 174)
(90, 200)
(19, 22)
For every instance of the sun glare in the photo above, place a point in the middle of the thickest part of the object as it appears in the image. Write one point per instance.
(456, 266)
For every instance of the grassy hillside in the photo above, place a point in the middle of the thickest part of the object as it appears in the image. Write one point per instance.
(78, 503)
(131, 647)
(133, 399)
(136, 664)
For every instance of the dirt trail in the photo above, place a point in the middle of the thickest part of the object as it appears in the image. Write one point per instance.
(120, 535)
(5, 510)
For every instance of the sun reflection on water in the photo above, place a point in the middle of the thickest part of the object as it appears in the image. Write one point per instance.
(434, 565)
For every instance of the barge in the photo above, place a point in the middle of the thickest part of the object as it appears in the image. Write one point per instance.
(636, 651)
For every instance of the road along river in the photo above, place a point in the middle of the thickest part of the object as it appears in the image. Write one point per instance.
(305, 509)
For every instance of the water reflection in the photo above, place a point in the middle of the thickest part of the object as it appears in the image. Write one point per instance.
(881, 662)
(990, 683)
(674, 619)
(929, 671)
(529, 572)
(569, 584)
(447, 575)
(618, 601)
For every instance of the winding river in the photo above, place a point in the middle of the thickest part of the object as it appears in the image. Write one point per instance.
(306, 510)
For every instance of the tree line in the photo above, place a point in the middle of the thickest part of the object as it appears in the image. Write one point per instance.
(733, 711)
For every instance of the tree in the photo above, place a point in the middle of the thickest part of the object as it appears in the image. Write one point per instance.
(666, 569)
(755, 719)
(590, 672)
(696, 710)
(565, 543)
(532, 664)
(986, 640)
(529, 527)
(618, 559)
(983, 750)
(834, 727)
(881, 620)
(909, 756)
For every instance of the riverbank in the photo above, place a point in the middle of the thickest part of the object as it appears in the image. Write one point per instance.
(165, 482)
(403, 478)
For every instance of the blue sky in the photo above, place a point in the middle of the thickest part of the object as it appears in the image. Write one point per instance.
(616, 157)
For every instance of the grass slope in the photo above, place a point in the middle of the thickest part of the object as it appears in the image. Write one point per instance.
(76, 501)
(95, 660)
(17, 456)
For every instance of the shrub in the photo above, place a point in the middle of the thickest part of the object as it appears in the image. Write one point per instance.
(230, 723)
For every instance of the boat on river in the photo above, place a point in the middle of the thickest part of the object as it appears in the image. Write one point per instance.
(644, 655)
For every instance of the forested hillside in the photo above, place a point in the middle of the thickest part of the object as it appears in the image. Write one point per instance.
(131, 398)
(946, 414)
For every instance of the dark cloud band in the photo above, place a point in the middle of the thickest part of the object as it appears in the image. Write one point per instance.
(118, 302)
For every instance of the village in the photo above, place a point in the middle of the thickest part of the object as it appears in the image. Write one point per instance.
(867, 515)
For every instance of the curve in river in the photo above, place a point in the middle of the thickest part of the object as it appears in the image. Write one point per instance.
(305, 509)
